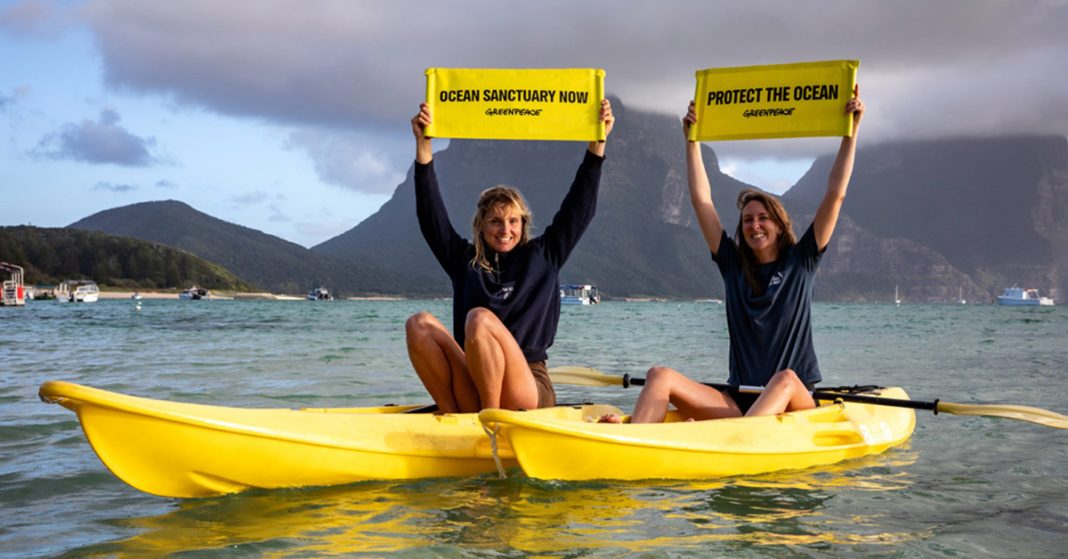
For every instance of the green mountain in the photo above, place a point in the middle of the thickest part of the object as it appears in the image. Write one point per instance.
(58, 254)
(269, 263)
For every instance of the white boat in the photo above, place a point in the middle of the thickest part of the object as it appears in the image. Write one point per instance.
(77, 291)
(87, 292)
(14, 292)
(897, 298)
(193, 294)
(579, 294)
(136, 296)
(1019, 297)
(320, 294)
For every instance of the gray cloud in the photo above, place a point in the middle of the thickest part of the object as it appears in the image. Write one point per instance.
(17, 94)
(353, 161)
(113, 187)
(33, 19)
(102, 141)
(277, 215)
(928, 69)
(164, 183)
(253, 198)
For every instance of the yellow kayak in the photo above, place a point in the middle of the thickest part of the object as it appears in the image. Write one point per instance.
(565, 449)
(178, 449)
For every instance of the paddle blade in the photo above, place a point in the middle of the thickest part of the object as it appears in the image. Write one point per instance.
(583, 376)
(1024, 413)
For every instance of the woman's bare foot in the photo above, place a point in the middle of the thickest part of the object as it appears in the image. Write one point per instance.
(610, 418)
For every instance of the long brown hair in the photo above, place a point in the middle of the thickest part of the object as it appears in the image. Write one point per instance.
(778, 214)
(488, 202)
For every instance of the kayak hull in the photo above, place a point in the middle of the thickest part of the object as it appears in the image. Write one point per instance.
(176, 449)
(702, 449)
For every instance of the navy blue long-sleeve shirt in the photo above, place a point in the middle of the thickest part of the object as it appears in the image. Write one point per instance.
(523, 290)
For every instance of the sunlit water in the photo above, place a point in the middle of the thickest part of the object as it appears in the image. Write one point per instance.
(963, 486)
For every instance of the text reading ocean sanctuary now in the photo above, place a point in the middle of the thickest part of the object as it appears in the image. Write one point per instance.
(513, 96)
(818, 92)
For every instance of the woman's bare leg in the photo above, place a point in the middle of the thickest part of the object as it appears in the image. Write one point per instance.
(498, 368)
(440, 364)
(784, 392)
(664, 386)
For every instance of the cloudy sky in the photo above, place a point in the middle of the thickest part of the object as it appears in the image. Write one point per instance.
(291, 117)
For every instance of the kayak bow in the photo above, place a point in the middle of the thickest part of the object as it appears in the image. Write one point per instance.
(178, 449)
(678, 449)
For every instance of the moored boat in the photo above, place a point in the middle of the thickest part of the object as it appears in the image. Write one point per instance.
(320, 294)
(677, 449)
(77, 291)
(87, 292)
(194, 294)
(1016, 296)
(13, 291)
(579, 294)
(176, 449)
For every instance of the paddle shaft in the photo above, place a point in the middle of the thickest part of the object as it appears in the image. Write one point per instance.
(585, 376)
(819, 395)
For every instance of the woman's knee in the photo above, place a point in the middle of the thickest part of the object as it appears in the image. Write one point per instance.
(478, 320)
(660, 375)
(420, 323)
(787, 377)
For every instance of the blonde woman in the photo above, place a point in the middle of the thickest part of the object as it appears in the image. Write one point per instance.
(506, 287)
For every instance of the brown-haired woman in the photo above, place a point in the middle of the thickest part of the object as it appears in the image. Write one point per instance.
(506, 287)
(768, 278)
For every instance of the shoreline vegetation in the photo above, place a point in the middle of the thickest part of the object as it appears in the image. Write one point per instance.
(228, 295)
(112, 293)
(224, 295)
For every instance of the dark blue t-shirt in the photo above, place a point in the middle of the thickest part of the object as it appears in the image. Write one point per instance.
(773, 331)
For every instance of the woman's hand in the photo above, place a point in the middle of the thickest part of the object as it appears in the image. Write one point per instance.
(856, 107)
(421, 121)
(689, 120)
(424, 152)
(607, 117)
(609, 120)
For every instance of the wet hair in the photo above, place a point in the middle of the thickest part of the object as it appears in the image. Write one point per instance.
(488, 202)
(778, 214)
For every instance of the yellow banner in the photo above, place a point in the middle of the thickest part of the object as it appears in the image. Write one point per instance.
(776, 101)
(515, 104)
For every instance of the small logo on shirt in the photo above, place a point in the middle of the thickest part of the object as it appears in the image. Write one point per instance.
(776, 279)
(504, 292)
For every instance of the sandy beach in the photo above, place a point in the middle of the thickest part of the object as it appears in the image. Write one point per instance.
(174, 295)
(228, 295)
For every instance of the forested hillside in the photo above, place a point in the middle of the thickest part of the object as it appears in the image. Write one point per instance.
(57, 254)
(268, 262)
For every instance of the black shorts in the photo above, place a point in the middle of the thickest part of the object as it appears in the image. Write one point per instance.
(745, 399)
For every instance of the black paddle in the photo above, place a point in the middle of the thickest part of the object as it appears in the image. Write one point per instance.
(585, 376)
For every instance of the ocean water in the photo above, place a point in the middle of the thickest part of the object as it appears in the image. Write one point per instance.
(962, 487)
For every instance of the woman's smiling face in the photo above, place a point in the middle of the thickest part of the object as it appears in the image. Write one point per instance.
(502, 228)
(761, 232)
